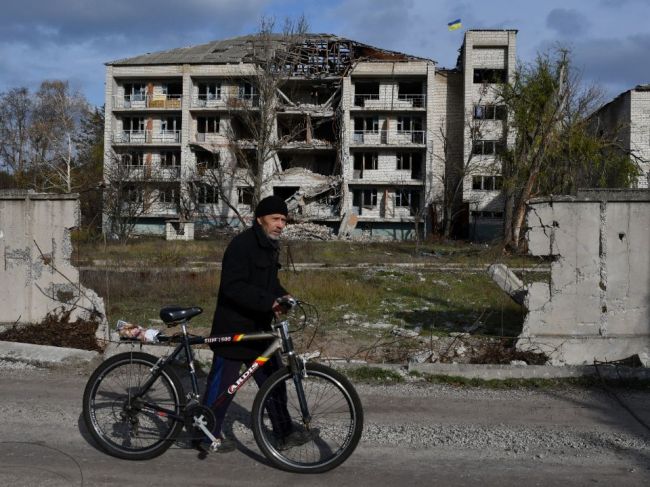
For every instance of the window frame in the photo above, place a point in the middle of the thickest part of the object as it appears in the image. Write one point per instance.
(205, 123)
(489, 75)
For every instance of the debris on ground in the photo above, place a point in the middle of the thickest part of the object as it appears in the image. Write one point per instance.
(504, 352)
(56, 330)
(307, 231)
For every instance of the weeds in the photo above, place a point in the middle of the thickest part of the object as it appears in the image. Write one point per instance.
(374, 375)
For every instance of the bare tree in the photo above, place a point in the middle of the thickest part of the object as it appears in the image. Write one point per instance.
(459, 168)
(55, 123)
(252, 133)
(87, 173)
(214, 180)
(15, 121)
(127, 196)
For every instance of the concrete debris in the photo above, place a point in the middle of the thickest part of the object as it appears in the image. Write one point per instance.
(378, 326)
(307, 231)
(403, 332)
(304, 173)
(348, 224)
(421, 357)
(508, 282)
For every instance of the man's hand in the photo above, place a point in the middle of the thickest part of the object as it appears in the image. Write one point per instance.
(279, 307)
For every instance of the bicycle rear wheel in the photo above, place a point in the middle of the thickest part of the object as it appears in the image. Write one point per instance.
(133, 428)
(320, 443)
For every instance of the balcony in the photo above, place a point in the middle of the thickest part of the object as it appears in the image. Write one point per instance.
(141, 101)
(168, 173)
(137, 137)
(162, 209)
(208, 101)
(142, 172)
(384, 137)
(243, 100)
(403, 101)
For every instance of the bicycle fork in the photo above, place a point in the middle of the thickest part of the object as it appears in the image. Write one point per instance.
(306, 416)
(298, 368)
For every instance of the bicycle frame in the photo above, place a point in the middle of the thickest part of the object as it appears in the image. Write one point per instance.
(281, 341)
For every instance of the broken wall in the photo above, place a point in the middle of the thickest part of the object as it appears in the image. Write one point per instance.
(36, 276)
(597, 303)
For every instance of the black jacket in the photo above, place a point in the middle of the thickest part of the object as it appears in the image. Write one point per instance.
(249, 286)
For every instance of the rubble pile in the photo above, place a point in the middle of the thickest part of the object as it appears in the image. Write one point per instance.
(307, 231)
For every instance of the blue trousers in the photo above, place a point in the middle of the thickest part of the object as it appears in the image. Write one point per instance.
(224, 373)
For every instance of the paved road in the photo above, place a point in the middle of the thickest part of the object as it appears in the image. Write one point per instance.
(415, 435)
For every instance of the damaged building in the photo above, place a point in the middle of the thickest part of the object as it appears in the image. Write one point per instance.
(364, 139)
(628, 116)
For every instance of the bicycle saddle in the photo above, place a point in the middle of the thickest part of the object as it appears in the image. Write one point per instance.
(170, 314)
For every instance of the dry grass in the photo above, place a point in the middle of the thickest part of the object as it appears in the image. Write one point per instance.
(161, 253)
(349, 302)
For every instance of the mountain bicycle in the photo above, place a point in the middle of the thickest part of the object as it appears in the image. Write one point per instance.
(134, 405)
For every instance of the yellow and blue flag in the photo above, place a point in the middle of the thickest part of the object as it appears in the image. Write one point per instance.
(454, 25)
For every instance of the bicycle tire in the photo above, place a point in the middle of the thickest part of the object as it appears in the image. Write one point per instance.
(336, 420)
(141, 433)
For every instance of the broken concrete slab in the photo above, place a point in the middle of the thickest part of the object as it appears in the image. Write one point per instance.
(44, 355)
(597, 303)
(508, 282)
(37, 277)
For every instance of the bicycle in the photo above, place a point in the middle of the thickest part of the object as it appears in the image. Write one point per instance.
(134, 405)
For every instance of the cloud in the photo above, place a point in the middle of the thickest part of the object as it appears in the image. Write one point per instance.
(567, 23)
(67, 21)
(612, 63)
(615, 62)
(72, 40)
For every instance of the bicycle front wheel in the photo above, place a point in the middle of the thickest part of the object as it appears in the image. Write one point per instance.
(125, 420)
(313, 444)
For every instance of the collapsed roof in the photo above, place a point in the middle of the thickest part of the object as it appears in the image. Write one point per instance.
(308, 54)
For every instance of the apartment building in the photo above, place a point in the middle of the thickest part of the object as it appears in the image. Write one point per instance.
(628, 115)
(368, 136)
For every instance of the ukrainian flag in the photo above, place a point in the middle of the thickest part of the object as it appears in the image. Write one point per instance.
(454, 25)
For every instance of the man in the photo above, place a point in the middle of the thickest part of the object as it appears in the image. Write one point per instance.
(248, 300)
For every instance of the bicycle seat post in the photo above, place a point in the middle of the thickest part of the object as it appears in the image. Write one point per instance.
(189, 357)
(184, 328)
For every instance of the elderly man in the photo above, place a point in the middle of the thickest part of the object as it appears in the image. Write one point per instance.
(248, 299)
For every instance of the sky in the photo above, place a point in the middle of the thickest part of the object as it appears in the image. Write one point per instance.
(73, 39)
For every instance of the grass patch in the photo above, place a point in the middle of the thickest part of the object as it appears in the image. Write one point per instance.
(145, 251)
(138, 296)
(584, 382)
(373, 375)
(434, 302)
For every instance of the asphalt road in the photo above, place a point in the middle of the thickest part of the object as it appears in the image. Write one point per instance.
(415, 435)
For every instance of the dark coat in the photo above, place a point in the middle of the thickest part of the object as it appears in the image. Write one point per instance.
(249, 286)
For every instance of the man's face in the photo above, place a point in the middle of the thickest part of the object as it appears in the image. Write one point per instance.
(273, 224)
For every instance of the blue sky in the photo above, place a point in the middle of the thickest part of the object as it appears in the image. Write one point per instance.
(72, 39)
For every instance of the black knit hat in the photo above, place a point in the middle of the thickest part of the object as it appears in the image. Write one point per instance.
(270, 206)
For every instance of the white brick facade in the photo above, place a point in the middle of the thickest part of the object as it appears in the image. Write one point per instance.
(392, 120)
(629, 115)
